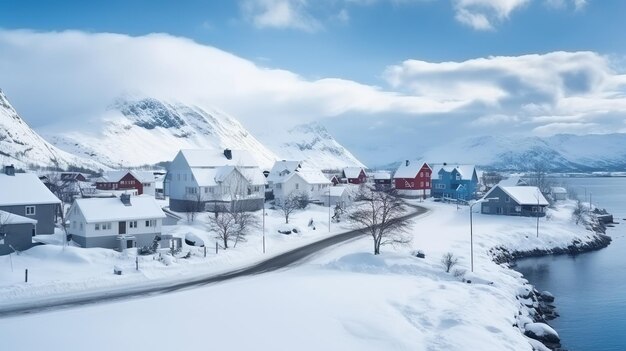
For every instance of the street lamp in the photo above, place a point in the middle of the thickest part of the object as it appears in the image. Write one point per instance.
(472, 229)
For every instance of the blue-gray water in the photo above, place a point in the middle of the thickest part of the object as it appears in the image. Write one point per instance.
(590, 289)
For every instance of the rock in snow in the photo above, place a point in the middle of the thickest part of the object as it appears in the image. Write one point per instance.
(542, 332)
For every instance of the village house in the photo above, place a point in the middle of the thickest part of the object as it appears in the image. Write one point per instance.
(138, 182)
(558, 193)
(333, 179)
(382, 180)
(413, 179)
(116, 223)
(211, 180)
(16, 232)
(354, 175)
(515, 201)
(341, 196)
(455, 182)
(289, 177)
(23, 194)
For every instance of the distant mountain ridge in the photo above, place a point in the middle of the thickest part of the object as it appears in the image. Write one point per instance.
(22, 146)
(558, 153)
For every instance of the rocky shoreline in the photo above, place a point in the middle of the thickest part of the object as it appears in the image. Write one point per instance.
(539, 307)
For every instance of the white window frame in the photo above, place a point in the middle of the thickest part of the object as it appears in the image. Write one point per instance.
(30, 213)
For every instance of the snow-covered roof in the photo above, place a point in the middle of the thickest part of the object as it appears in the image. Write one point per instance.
(523, 195)
(336, 191)
(513, 181)
(24, 189)
(466, 171)
(409, 171)
(311, 175)
(214, 176)
(558, 190)
(112, 209)
(216, 158)
(116, 176)
(382, 175)
(10, 218)
(281, 170)
(352, 172)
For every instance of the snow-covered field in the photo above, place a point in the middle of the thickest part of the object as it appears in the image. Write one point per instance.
(55, 271)
(342, 299)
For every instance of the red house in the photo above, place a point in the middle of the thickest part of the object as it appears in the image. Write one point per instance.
(413, 179)
(141, 182)
(333, 179)
(354, 175)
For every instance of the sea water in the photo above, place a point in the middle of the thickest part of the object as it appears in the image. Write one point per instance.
(590, 288)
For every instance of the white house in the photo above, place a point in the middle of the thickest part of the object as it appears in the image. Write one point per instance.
(289, 177)
(558, 193)
(204, 179)
(115, 223)
(338, 195)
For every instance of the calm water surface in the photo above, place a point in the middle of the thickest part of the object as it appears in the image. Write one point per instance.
(590, 289)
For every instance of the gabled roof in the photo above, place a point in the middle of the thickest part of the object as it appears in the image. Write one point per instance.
(216, 158)
(281, 170)
(116, 176)
(523, 195)
(352, 172)
(311, 176)
(382, 175)
(513, 181)
(411, 170)
(112, 209)
(10, 218)
(558, 190)
(466, 171)
(24, 189)
(214, 176)
(336, 191)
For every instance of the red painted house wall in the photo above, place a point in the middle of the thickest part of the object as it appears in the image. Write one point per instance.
(421, 180)
(126, 183)
(360, 180)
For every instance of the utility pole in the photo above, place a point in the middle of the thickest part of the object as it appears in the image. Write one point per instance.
(538, 209)
(263, 225)
(590, 209)
(329, 209)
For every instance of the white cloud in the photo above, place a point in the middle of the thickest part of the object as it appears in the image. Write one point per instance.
(483, 14)
(558, 87)
(280, 14)
(72, 75)
(564, 4)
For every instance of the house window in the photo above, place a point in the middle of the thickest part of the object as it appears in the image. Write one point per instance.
(97, 226)
(191, 190)
(151, 223)
(498, 210)
(132, 224)
(518, 208)
(297, 186)
(421, 184)
(106, 226)
(279, 186)
(421, 174)
(427, 184)
(441, 186)
(507, 199)
(427, 174)
(30, 210)
(81, 225)
(458, 177)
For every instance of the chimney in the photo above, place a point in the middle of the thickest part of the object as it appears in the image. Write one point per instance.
(9, 170)
(125, 198)
(445, 164)
(407, 163)
(228, 153)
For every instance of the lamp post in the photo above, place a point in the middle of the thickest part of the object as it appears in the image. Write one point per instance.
(472, 229)
(329, 209)
(264, 225)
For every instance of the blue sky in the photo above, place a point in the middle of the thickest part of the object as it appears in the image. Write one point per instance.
(463, 67)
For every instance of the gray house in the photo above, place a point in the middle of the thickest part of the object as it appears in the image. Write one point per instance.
(16, 232)
(515, 201)
(116, 223)
(23, 194)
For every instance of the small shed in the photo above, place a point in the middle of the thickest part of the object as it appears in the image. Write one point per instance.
(558, 193)
(16, 232)
(337, 195)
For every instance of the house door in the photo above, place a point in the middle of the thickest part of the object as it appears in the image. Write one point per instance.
(129, 244)
(122, 228)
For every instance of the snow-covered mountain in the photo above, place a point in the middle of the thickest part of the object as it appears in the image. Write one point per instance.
(140, 131)
(23, 147)
(314, 144)
(559, 153)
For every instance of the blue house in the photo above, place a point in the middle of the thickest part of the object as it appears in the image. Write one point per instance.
(454, 181)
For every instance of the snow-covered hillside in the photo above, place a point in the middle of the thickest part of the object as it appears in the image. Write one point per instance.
(314, 144)
(139, 131)
(559, 153)
(23, 147)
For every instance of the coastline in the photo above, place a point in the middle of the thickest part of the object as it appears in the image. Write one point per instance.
(539, 307)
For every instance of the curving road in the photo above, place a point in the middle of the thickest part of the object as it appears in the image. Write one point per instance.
(277, 262)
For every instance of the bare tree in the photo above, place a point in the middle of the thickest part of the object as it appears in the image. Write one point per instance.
(194, 204)
(293, 202)
(580, 211)
(382, 215)
(448, 261)
(539, 177)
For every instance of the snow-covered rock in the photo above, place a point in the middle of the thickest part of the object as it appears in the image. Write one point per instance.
(23, 147)
(542, 332)
(313, 144)
(139, 131)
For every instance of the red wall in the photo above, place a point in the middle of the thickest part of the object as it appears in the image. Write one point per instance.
(127, 182)
(420, 182)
